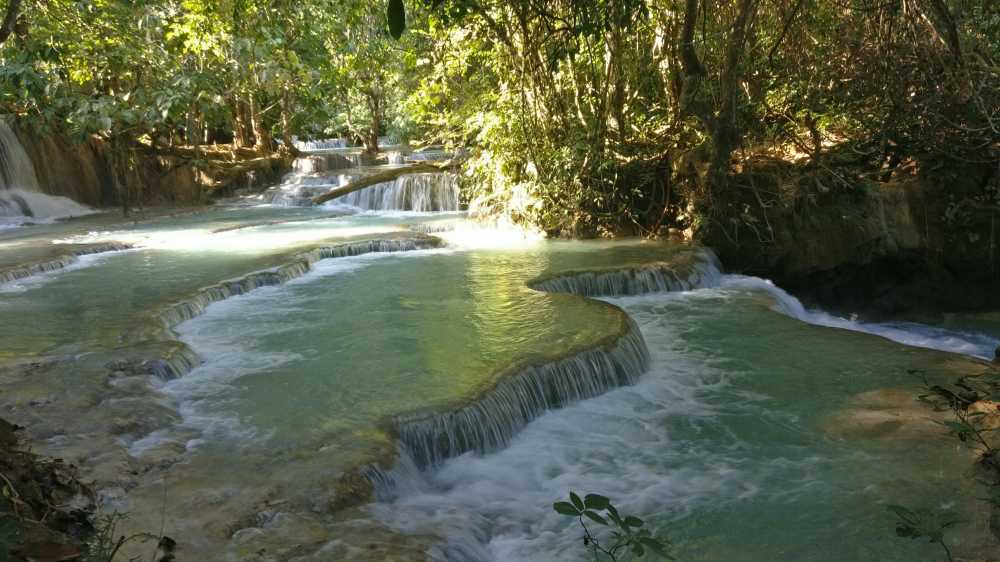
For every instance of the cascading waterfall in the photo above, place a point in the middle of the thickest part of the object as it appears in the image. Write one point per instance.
(426, 155)
(16, 170)
(320, 144)
(489, 423)
(20, 193)
(196, 305)
(706, 271)
(24, 271)
(411, 192)
(907, 333)
(310, 176)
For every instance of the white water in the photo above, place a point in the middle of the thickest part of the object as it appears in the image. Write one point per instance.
(18, 207)
(21, 200)
(16, 169)
(320, 144)
(315, 175)
(907, 333)
(411, 192)
(698, 446)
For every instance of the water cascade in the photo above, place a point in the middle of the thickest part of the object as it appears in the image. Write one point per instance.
(491, 422)
(20, 194)
(908, 333)
(302, 184)
(196, 305)
(22, 272)
(320, 144)
(705, 271)
(16, 169)
(412, 192)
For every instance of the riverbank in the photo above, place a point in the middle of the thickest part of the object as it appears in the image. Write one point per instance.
(46, 512)
(89, 173)
(916, 242)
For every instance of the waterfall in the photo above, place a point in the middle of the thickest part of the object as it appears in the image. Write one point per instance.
(907, 333)
(20, 193)
(21, 272)
(298, 188)
(16, 170)
(491, 421)
(320, 144)
(425, 155)
(410, 192)
(703, 270)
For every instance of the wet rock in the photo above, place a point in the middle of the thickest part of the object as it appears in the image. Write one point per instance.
(49, 505)
(890, 413)
(164, 454)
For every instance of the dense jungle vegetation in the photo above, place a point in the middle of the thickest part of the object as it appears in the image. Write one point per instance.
(581, 117)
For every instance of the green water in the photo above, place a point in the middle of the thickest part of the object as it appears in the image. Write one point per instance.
(742, 441)
(730, 445)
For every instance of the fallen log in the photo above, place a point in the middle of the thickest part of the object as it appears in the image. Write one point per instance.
(382, 177)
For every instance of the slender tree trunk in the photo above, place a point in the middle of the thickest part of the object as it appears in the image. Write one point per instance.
(9, 19)
(375, 108)
(286, 126)
(262, 141)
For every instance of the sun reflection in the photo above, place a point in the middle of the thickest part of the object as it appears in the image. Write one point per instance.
(475, 235)
(246, 240)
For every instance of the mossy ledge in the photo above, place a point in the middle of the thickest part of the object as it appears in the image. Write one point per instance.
(18, 272)
(522, 391)
(690, 270)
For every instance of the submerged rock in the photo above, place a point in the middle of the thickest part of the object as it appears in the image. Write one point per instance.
(888, 413)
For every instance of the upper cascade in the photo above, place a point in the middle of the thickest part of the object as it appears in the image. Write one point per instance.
(16, 169)
(435, 191)
(320, 144)
(20, 193)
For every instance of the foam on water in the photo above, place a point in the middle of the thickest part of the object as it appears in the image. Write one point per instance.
(663, 449)
(498, 507)
(20, 207)
(426, 192)
(908, 333)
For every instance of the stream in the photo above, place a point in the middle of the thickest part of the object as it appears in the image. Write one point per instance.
(402, 382)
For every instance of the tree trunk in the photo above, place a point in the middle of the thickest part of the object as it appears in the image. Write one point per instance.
(242, 137)
(375, 108)
(262, 141)
(286, 126)
(9, 19)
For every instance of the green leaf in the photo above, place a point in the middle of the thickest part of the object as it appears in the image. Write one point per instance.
(565, 508)
(656, 546)
(397, 18)
(595, 517)
(577, 503)
(632, 521)
(596, 501)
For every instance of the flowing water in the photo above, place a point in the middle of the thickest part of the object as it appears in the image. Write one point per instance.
(21, 200)
(315, 352)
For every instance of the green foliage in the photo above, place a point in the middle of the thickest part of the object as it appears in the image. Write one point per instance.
(924, 524)
(965, 425)
(628, 535)
(105, 544)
